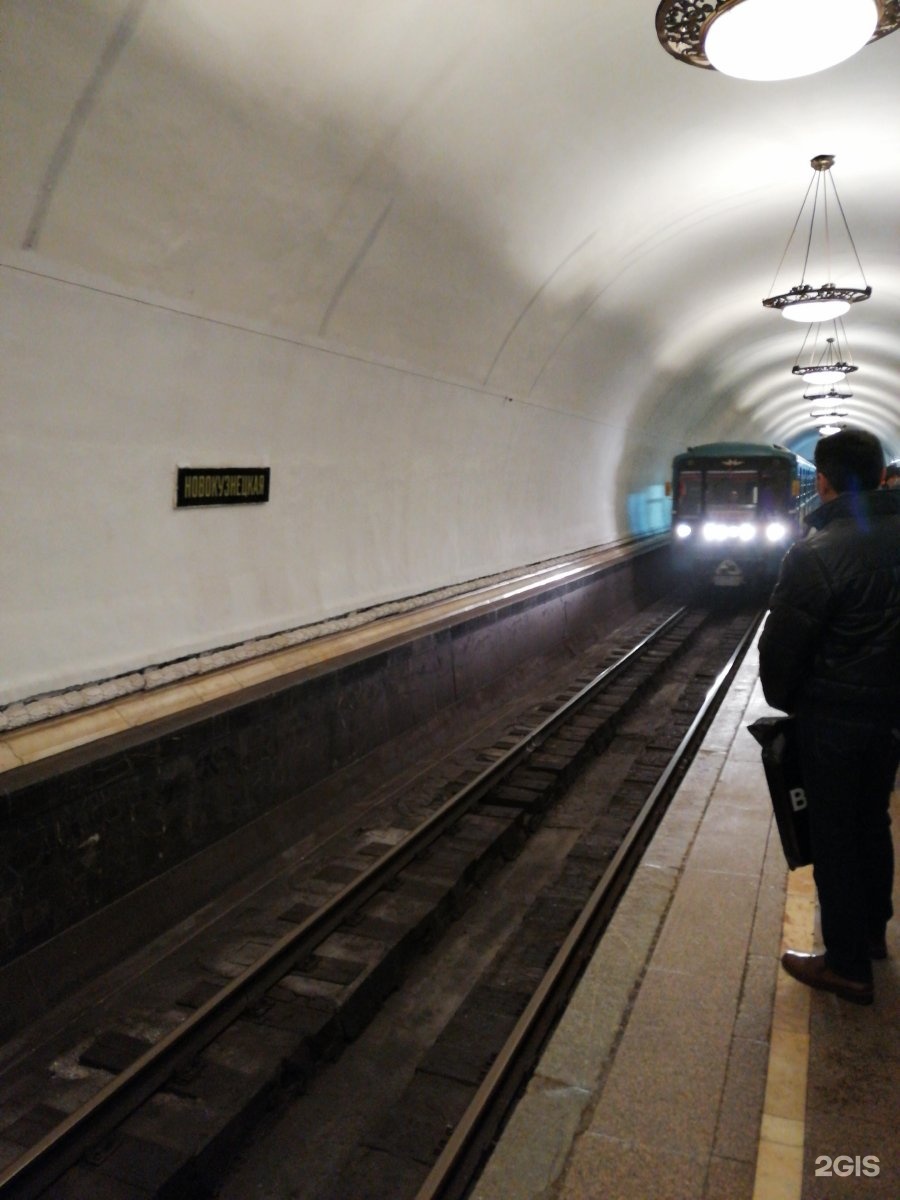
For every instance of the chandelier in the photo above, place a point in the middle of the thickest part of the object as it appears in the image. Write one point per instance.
(771, 39)
(827, 365)
(823, 301)
(831, 396)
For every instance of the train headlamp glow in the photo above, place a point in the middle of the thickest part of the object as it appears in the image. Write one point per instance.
(776, 532)
(682, 530)
(715, 531)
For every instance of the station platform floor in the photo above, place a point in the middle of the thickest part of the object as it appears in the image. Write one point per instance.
(689, 1065)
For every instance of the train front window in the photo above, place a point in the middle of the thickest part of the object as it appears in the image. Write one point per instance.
(690, 494)
(774, 489)
(731, 490)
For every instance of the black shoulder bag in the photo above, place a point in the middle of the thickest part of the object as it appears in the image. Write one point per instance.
(781, 761)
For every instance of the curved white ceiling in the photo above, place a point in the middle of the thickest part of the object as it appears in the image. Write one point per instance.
(533, 197)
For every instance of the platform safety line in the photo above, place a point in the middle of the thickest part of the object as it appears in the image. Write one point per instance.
(779, 1162)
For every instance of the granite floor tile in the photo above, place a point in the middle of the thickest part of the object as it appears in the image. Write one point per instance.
(719, 738)
(709, 924)
(664, 1089)
(740, 1114)
(743, 783)
(579, 1048)
(731, 840)
(701, 775)
(768, 920)
(754, 1015)
(535, 1145)
(746, 749)
(685, 1000)
(672, 844)
(616, 1169)
(775, 868)
(729, 1180)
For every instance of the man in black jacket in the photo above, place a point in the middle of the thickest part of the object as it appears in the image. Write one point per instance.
(830, 653)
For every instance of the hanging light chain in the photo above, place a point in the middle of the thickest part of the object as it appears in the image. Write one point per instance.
(849, 234)
(791, 237)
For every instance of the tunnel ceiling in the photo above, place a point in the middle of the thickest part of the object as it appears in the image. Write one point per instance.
(534, 198)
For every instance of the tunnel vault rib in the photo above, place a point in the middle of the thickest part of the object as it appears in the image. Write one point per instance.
(120, 38)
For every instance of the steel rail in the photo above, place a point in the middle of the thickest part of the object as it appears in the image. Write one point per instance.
(454, 1171)
(28, 1176)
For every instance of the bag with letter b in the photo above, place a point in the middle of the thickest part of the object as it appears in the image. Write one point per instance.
(781, 761)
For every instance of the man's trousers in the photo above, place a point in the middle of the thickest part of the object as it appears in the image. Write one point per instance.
(849, 763)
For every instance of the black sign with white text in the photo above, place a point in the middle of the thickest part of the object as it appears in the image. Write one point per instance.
(221, 485)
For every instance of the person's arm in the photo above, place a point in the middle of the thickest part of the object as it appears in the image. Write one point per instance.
(794, 627)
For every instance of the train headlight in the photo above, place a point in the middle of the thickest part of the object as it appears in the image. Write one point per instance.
(775, 531)
(682, 530)
(715, 531)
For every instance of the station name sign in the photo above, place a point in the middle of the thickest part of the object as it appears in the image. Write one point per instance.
(221, 485)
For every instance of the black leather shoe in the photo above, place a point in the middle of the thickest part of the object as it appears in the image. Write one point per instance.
(812, 970)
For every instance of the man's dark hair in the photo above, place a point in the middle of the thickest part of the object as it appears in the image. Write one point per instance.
(851, 461)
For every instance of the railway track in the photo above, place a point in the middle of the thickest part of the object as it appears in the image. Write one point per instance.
(161, 1118)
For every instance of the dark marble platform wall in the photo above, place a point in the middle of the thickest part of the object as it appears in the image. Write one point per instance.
(105, 846)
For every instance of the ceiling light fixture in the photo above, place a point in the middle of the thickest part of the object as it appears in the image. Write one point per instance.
(828, 430)
(824, 301)
(829, 416)
(829, 396)
(771, 39)
(828, 365)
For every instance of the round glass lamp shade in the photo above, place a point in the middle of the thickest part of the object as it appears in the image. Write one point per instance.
(809, 312)
(785, 39)
(821, 375)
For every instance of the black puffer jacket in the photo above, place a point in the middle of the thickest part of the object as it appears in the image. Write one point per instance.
(832, 637)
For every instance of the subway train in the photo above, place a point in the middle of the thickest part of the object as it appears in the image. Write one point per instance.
(736, 507)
